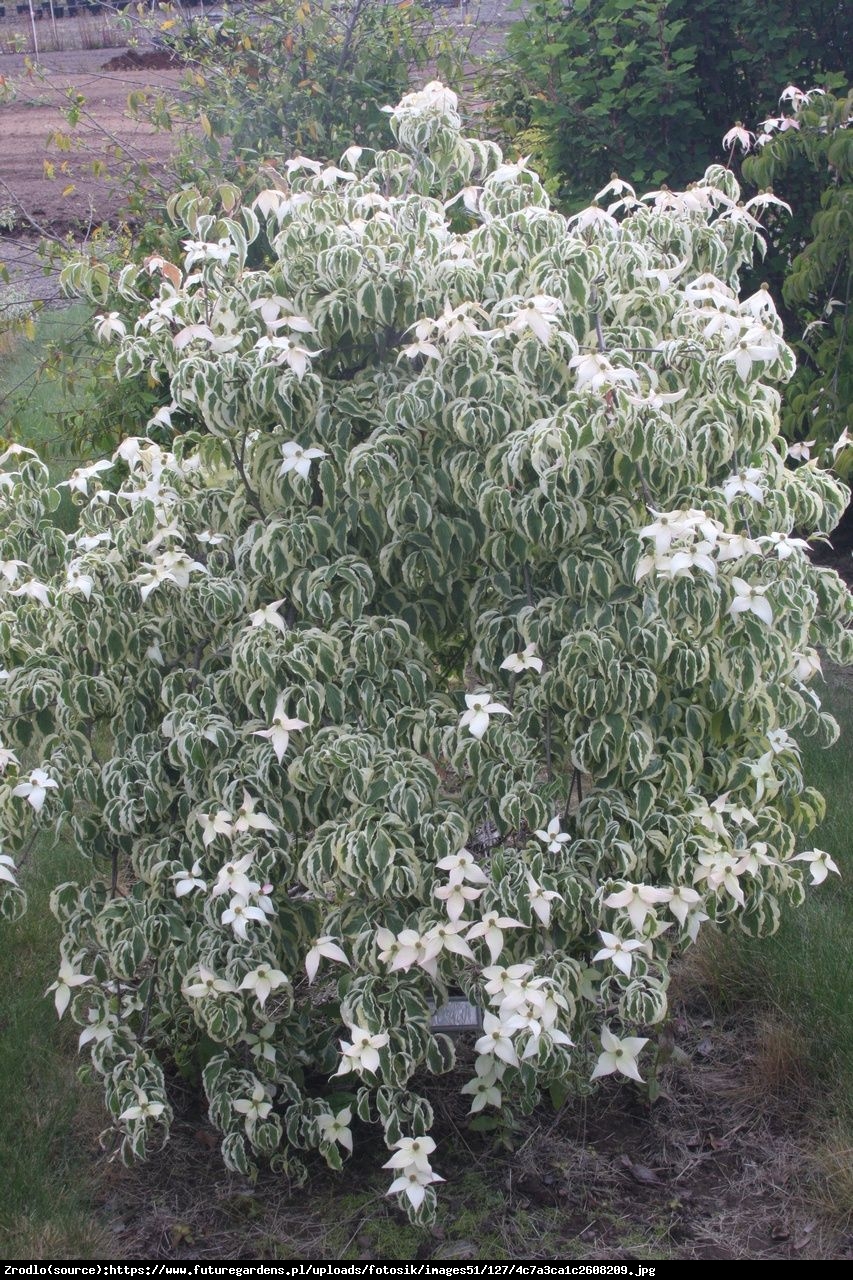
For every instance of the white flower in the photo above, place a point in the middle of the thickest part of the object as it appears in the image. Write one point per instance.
(79, 481)
(461, 866)
(34, 790)
(484, 1091)
(801, 450)
(683, 900)
(108, 325)
(750, 599)
(335, 1128)
(619, 1055)
(490, 929)
(756, 346)
(207, 985)
(820, 864)
(720, 870)
(34, 590)
(7, 755)
(262, 981)
(143, 1109)
(639, 901)
(539, 315)
(443, 937)
(480, 708)
(595, 371)
(413, 1183)
(806, 665)
(248, 819)
(497, 1040)
(618, 950)
(748, 481)
(189, 880)
(411, 1153)
(844, 441)
(526, 660)
(784, 545)
(738, 137)
(76, 580)
(239, 914)
(232, 878)
(280, 730)
(68, 978)
(255, 1108)
(268, 616)
(780, 740)
(399, 951)
(215, 824)
(554, 836)
(296, 458)
(456, 897)
(286, 350)
(323, 947)
(363, 1053)
(540, 899)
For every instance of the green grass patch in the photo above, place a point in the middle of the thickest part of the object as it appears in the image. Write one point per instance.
(34, 398)
(48, 1121)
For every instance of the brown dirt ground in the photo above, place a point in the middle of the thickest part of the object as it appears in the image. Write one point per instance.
(722, 1167)
(27, 122)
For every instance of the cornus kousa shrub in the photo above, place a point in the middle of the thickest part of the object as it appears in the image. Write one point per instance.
(462, 641)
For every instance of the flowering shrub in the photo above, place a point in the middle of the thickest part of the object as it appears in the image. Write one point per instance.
(463, 645)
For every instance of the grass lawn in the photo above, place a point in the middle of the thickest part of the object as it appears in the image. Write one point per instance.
(49, 1121)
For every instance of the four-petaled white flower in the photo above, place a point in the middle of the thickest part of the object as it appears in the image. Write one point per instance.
(215, 824)
(240, 913)
(784, 544)
(362, 1054)
(820, 864)
(35, 788)
(413, 1183)
(262, 981)
(618, 950)
(411, 1152)
(295, 458)
(207, 985)
(751, 599)
(280, 730)
(232, 878)
(738, 137)
(323, 947)
(143, 1109)
(268, 616)
(554, 836)
(539, 315)
(540, 899)
(638, 901)
(747, 481)
(479, 709)
(79, 480)
(106, 326)
(456, 897)
(249, 818)
(490, 929)
(33, 590)
(68, 978)
(189, 880)
(526, 660)
(801, 450)
(335, 1128)
(461, 866)
(619, 1055)
(255, 1108)
(497, 1040)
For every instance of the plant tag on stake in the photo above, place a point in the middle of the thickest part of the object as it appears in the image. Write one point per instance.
(456, 1016)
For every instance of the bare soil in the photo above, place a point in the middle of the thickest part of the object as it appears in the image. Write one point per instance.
(721, 1167)
(74, 198)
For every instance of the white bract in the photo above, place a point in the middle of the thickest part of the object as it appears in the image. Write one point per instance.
(461, 644)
